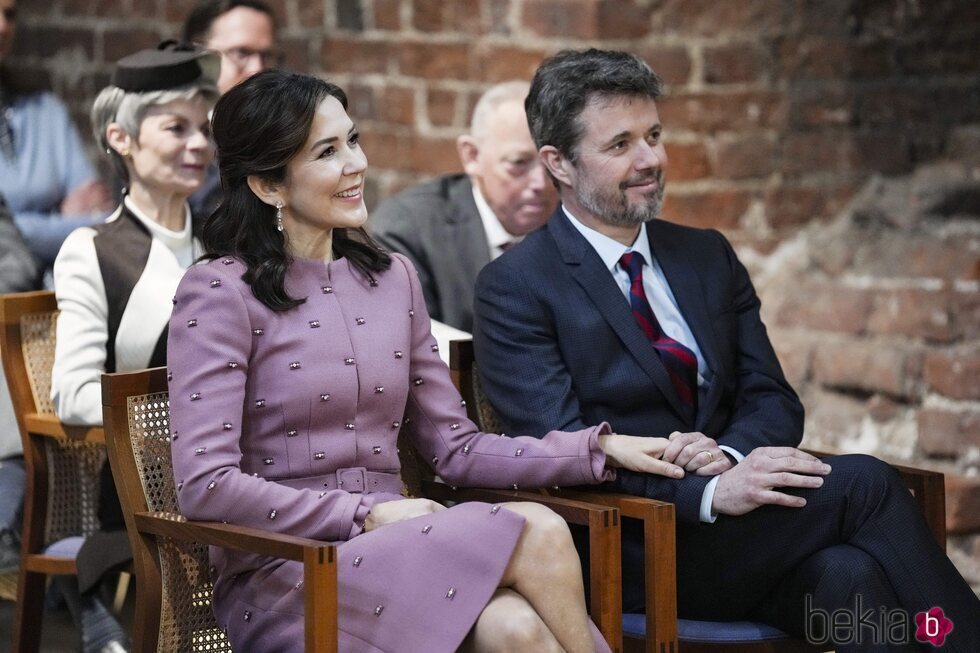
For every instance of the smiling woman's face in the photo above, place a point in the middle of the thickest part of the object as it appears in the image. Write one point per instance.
(324, 181)
(174, 147)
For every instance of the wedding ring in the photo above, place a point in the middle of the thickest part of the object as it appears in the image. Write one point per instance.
(711, 457)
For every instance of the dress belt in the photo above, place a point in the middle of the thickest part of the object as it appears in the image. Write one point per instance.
(351, 479)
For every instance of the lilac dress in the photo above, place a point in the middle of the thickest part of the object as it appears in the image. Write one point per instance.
(288, 421)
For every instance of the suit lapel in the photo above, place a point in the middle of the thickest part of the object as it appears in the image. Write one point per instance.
(464, 230)
(685, 284)
(588, 270)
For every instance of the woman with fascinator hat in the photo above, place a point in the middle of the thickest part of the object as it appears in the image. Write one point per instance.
(114, 281)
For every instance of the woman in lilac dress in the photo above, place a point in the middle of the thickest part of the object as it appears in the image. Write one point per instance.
(297, 353)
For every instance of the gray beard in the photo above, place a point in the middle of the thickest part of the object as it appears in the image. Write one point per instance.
(616, 211)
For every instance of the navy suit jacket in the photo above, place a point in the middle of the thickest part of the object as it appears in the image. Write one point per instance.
(558, 348)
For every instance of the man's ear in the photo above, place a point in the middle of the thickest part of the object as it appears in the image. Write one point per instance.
(469, 153)
(118, 139)
(267, 191)
(557, 164)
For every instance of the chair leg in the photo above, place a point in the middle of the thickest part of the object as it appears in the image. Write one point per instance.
(29, 612)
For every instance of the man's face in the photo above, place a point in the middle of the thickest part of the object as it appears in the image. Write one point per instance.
(8, 18)
(509, 174)
(618, 175)
(246, 40)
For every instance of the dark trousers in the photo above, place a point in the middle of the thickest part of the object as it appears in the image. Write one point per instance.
(860, 538)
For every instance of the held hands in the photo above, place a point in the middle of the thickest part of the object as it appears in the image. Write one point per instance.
(394, 511)
(638, 454)
(697, 453)
(749, 484)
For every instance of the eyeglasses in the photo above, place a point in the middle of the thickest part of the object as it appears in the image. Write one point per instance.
(241, 56)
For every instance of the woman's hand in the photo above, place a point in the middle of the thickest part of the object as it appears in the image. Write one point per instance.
(400, 510)
(639, 454)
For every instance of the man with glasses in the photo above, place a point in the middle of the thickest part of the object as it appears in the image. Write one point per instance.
(244, 32)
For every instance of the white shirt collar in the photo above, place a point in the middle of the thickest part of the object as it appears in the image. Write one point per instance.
(174, 240)
(608, 249)
(497, 236)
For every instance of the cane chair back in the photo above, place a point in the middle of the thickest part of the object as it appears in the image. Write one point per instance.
(62, 462)
(174, 577)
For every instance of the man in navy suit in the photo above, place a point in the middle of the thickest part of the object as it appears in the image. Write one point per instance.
(609, 314)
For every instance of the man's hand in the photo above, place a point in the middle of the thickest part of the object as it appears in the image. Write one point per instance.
(639, 454)
(400, 510)
(697, 453)
(749, 484)
(90, 197)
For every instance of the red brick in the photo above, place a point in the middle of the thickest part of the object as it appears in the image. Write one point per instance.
(687, 161)
(723, 111)
(441, 16)
(795, 354)
(117, 45)
(808, 152)
(386, 148)
(45, 42)
(351, 55)
(817, 105)
(719, 209)
(713, 18)
(912, 312)
(296, 53)
(362, 102)
(812, 58)
(434, 156)
(955, 372)
(826, 307)
(88, 7)
(866, 366)
(387, 14)
(965, 306)
(743, 157)
(888, 154)
(398, 105)
(434, 60)
(948, 432)
(962, 504)
(623, 20)
(575, 19)
(734, 63)
(929, 56)
(672, 64)
(793, 205)
(504, 63)
(441, 107)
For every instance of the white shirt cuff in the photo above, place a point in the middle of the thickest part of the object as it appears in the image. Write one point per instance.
(707, 515)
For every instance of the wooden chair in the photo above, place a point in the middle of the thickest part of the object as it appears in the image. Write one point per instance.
(659, 630)
(62, 462)
(173, 607)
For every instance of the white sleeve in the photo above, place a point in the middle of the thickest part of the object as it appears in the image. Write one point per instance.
(82, 334)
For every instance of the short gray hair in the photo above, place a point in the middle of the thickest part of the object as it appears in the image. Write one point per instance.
(492, 98)
(128, 108)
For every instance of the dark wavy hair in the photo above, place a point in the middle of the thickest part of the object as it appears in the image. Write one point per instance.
(259, 126)
(566, 82)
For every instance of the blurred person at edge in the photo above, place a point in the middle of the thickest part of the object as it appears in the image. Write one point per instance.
(244, 33)
(452, 226)
(114, 281)
(45, 174)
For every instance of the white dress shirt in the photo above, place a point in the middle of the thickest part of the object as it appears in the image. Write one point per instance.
(664, 307)
(498, 238)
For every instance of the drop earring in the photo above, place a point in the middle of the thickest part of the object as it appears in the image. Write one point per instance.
(279, 216)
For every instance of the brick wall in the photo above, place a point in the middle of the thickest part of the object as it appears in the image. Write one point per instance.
(811, 131)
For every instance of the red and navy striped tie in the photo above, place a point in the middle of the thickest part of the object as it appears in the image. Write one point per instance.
(681, 363)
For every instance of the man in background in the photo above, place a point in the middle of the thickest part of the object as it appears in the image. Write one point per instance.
(452, 226)
(244, 32)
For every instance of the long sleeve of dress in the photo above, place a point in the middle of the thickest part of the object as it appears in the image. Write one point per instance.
(80, 350)
(208, 352)
(460, 453)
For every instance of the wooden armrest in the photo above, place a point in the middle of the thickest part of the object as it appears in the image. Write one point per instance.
(50, 425)
(319, 565)
(228, 536)
(605, 568)
(660, 563)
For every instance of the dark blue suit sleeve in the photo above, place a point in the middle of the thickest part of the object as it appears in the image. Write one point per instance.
(524, 375)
